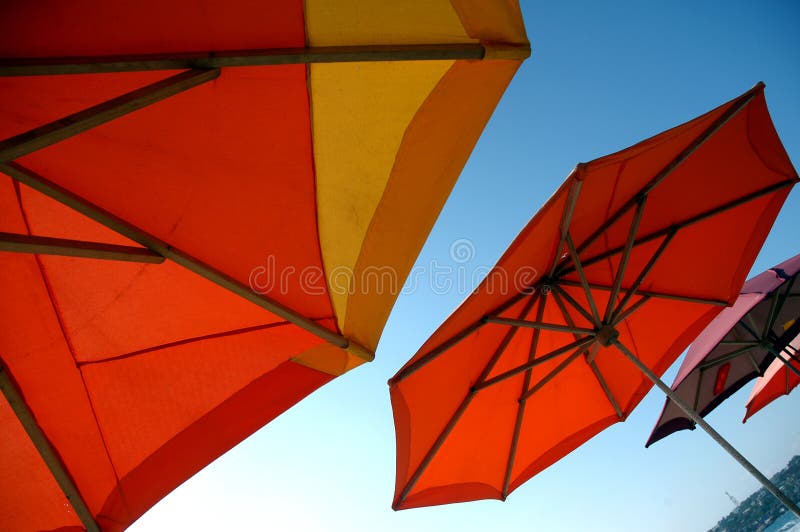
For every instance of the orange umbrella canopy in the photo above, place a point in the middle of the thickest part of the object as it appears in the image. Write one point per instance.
(201, 204)
(623, 266)
(781, 377)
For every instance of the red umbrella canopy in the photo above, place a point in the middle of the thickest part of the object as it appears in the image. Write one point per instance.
(243, 243)
(630, 259)
(780, 379)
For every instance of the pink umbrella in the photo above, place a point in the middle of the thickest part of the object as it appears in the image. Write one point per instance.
(737, 346)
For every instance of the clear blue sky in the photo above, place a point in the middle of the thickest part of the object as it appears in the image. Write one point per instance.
(600, 78)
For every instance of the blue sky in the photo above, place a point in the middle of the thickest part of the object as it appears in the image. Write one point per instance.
(600, 79)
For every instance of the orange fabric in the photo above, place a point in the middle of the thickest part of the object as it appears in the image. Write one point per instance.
(455, 446)
(140, 375)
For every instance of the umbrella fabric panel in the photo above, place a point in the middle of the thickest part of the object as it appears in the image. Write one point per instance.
(409, 119)
(109, 309)
(25, 474)
(777, 381)
(228, 182)
(154, 450)
(126, 376)
(434, 148)
(147, 27)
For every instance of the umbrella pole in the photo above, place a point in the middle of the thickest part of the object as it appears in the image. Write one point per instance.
(710, 430)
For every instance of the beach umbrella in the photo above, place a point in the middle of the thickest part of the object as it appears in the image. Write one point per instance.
(738, 346)
(780, 378)
(604, 288)
(209, 211)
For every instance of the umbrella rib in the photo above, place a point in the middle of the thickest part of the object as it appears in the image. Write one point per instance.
(783, 297)
(41, 245)
(512, 452)
(571, 300)
(659, 295)
(615, 317)
(263, 57)
(597, 373)
(690, 221)
(579, 268)
(749, 327)
(723, 119)
(579, 343)
(706, 427)
(569, 210)
(437, 351)
(69, 126)
(539, 325)
(738, 342)
(46, 451)
(697, 391)
(626, 254)
(786, 363)
(60, 194)
(772, 316)
(462, 407)
(555, 371)
(624, 315)
(754, 363)
(727, 357)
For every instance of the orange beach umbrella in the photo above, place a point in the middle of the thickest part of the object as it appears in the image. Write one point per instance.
(635, 254)
(201, 202)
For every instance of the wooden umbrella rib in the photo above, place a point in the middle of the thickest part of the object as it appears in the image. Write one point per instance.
(448, 428)
(454, 340)
(539, 325)
(69, 126)
(566, 218)
(739, 104)
(625, 314)
(521, 404)
(584, 282)
(571, 300)
(263, 57)
(581, 342)
(558, 369)
(40, 245)
(615, 316)
(650, 293)
(689, 221)
(51, 459)
(626, 254)
(48, 188)
(727, 357)
(598, 374)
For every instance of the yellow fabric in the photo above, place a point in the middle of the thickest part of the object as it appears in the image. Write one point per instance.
(329, 359)
(391, 138)
(360, 112)
(496, 21)
(359, 22)
(434, 150)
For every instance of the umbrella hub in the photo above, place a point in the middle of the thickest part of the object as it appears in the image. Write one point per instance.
(606, 335)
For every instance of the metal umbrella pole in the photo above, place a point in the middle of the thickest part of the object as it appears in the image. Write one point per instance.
(716, 436)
